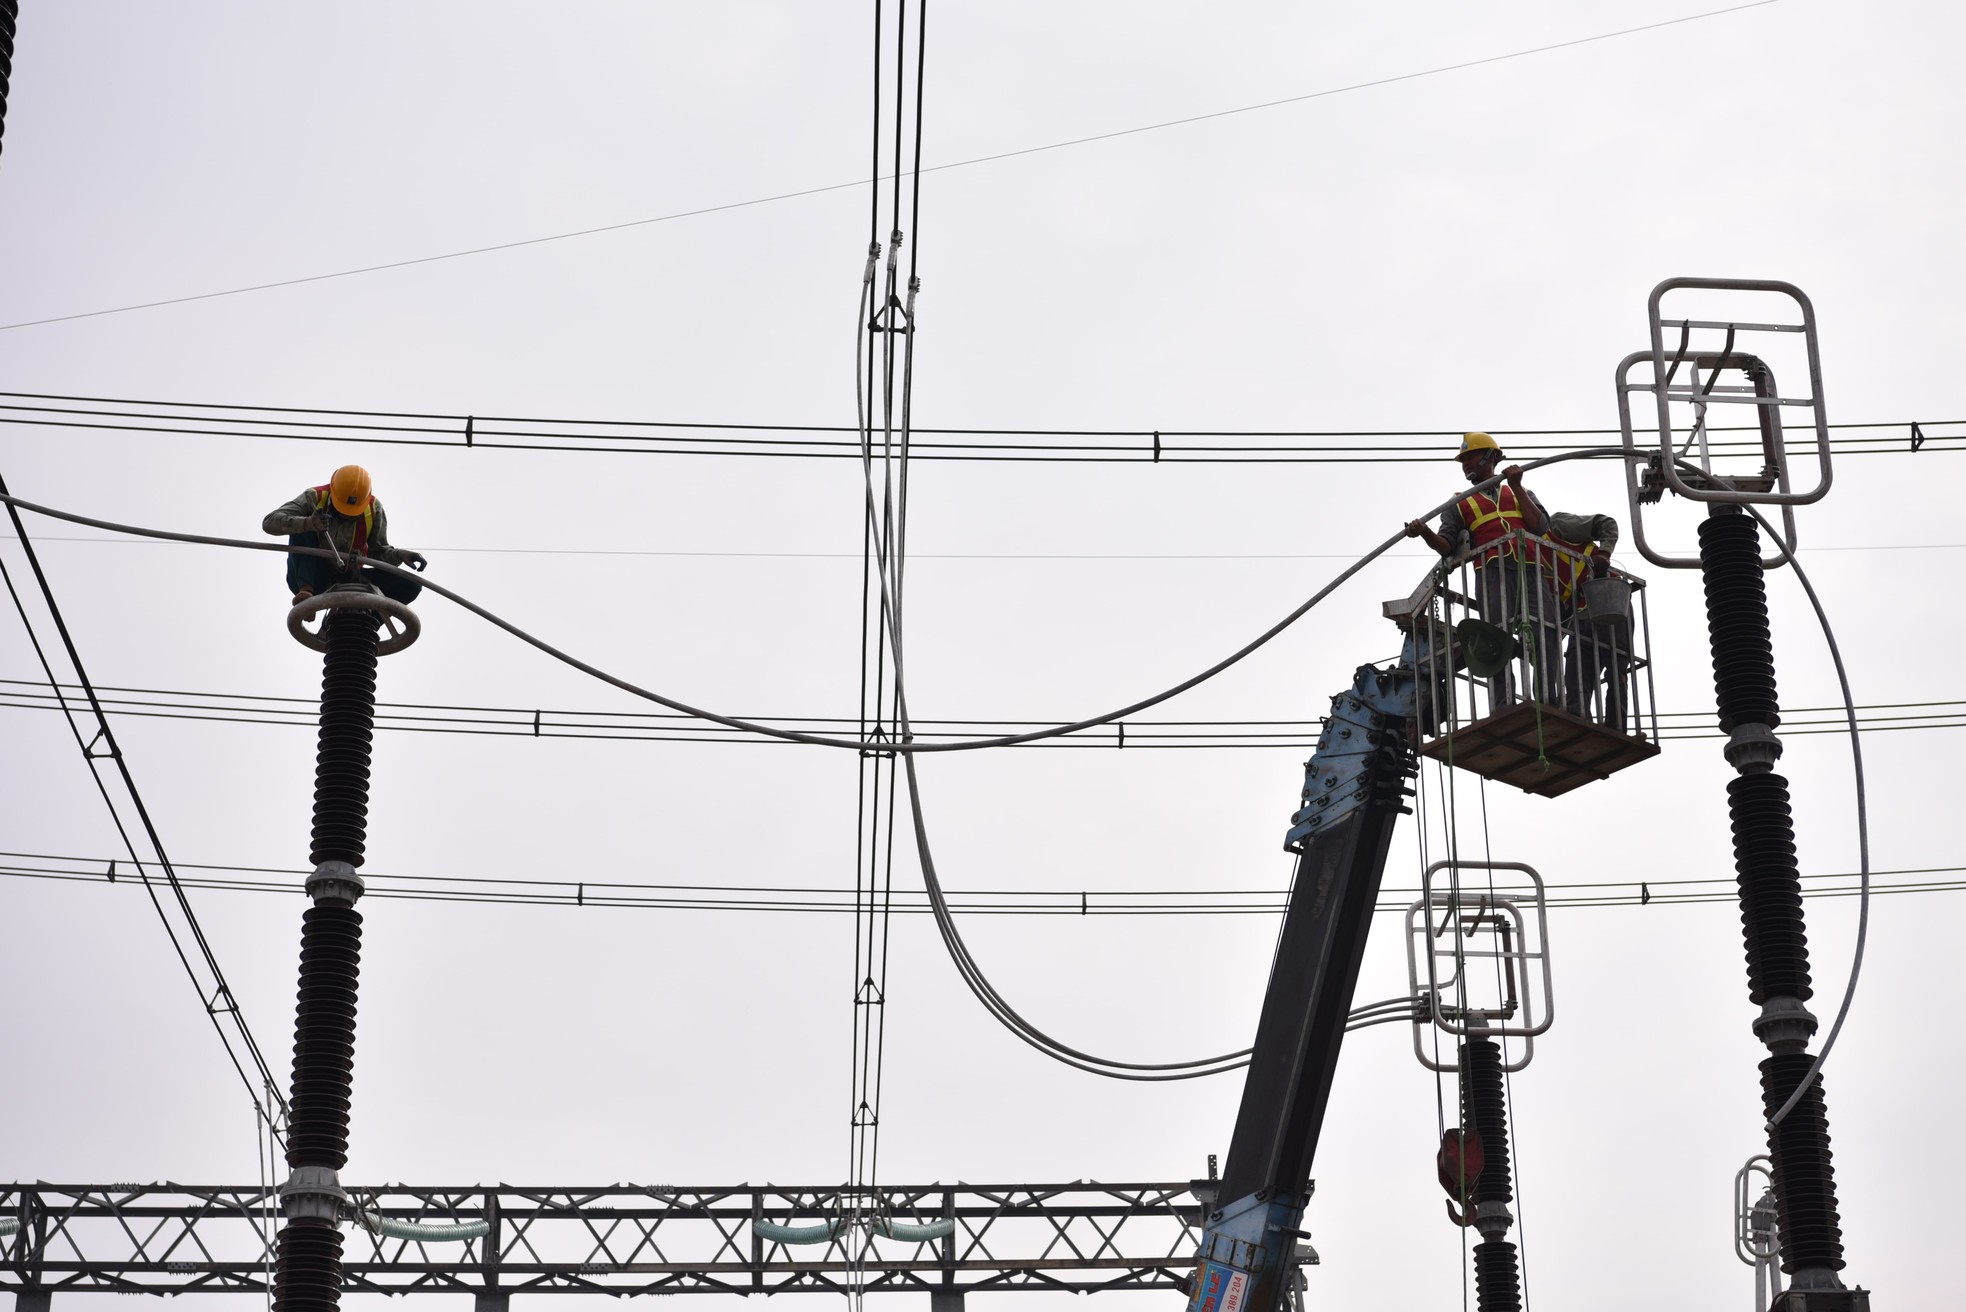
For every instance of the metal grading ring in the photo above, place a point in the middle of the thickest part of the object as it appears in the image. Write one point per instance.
(343, 597)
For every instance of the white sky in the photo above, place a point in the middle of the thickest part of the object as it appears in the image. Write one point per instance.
(1469, 249)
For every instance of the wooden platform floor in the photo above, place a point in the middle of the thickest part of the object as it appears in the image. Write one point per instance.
(1543, 750)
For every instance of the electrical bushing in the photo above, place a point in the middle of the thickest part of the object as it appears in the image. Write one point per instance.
(1737, 621)
(307, 1277)
(1498, 1282)
(1777, 946)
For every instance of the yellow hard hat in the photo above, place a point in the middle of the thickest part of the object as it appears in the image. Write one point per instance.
(348, 490)
(1477, 442)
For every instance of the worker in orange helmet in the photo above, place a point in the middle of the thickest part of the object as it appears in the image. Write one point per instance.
(343, 515)
(1502, 528)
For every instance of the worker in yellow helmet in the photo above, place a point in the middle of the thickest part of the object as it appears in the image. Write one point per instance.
(344, 515)
(1502, 528)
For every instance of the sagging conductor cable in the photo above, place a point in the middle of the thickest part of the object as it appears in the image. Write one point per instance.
(952, 939)
(823, 740)
(1809, 1077)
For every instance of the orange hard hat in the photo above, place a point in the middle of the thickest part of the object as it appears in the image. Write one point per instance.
(348, 490)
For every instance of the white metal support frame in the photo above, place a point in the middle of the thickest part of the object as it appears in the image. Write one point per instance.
(1516, 941)
(1713, 347)
(1757, 1242)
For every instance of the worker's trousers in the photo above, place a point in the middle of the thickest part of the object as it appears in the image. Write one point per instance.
(1598, 662)
(1518, 597)
(319, 575)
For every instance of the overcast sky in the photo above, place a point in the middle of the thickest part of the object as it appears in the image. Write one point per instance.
(1468, 249)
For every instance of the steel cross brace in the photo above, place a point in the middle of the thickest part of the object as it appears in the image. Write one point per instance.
(617, 1240)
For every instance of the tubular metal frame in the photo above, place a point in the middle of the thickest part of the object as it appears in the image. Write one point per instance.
(1767, 404)
(1758, 1246)
(1761, 393)
(617, 1240)
(1466, 913)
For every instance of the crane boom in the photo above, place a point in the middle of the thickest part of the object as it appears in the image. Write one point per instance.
(1354, 793)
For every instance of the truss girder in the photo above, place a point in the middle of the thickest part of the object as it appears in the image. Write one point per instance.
(618, 1240)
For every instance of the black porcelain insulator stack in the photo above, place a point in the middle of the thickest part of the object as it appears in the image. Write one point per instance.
(307, 1277)
(341, 764)
(324, 1037)
(1498, 1284)
(1771, 892)
(1485, 1113)
(1497, 1281)
(1737, 621)
(1811, 1230)
(9, 13)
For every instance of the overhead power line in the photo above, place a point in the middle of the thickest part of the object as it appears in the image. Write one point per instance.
(834, 442)
(215, 994)
(619, 894)
(660, 726)
(916, 172)
(954, 555)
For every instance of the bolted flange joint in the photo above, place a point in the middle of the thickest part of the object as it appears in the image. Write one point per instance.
(334, 883)
(313, 1193)
(1785, 1025)
(1493, 1220)
(1752, 748)
(1819, 1290)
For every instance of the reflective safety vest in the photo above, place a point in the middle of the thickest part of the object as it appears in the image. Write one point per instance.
(1567, 569)
(361, 543)
(1493, 519)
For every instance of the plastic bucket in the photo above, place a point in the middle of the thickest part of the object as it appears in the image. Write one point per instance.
(1608, 601)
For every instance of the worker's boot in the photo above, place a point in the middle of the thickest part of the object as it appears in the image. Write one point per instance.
(303, 595)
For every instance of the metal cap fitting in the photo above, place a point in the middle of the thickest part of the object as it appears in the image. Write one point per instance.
(1785, 1025)
(1753, 748)
(313, 1193)
(335, 883)
(1492, 1220)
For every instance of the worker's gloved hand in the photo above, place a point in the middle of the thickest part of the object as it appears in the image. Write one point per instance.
(414, 560)
(1600, 566)
(317, 522)
(1414, 528)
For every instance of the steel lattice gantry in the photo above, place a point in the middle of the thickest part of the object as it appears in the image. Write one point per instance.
(613, 1239)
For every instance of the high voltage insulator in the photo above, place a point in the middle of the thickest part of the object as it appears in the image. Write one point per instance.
(1771, 908)
(1498, 1285)
(307, 1277)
